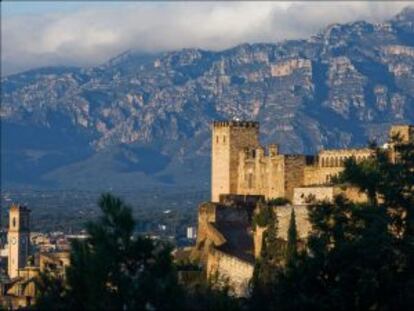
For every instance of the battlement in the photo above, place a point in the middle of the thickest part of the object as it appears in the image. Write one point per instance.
(259, 152)
(246, 124)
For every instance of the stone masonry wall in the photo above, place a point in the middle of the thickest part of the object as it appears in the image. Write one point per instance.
(283, 216)
(228, 138)
(233, 270)
(319, 193)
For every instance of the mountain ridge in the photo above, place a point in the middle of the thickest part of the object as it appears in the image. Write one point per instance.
(144, 119)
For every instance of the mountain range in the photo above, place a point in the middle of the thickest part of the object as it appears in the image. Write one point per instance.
(142, 121)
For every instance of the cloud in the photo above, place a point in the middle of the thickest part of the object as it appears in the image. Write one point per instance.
(91, 35)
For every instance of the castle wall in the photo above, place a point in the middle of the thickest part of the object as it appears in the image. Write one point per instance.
(327, 193)
(330, 163)
(303, 194)
(275, 187)
(260, 174)
(206, 214)
(314, 175)
(231, 271)
(227, 140)
(210, 217)
(271, 175)
(351, 193)
(294, 167)
(283, 216)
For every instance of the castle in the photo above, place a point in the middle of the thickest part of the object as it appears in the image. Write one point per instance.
(244, 172)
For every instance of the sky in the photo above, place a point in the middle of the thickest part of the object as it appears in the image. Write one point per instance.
(36, 34)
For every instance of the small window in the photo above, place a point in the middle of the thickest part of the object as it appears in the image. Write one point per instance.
(217, 139)
(14, 221)
(224, 139)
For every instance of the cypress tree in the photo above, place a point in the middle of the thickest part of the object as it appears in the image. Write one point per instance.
(292, 240)
(265, 272)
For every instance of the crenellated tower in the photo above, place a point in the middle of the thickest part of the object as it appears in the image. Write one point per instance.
(228, 139)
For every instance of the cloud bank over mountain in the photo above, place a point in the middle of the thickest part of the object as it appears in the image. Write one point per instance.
(91, 35)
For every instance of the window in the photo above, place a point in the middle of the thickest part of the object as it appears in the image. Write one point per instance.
(217, 139)
(224, 139)
(14, 221)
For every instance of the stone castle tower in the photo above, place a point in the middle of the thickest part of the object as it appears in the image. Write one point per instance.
(228, 139)
(18, 239)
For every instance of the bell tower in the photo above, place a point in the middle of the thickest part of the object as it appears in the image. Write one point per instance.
(18, 238)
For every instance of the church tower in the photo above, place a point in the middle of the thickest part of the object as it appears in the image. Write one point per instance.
(228, 139)
(18, 238)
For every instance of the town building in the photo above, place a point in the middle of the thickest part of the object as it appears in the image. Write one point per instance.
(19, 288)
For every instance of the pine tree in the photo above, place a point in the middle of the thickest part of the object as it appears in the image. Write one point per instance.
(114, 270)
(292, 242)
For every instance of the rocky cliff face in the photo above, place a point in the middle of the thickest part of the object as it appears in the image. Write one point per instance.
(152, 112)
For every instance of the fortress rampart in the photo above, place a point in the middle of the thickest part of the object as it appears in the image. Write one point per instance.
(244, 172)
(240, 165)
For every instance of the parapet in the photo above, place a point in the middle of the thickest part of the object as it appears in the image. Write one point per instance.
(246, 124)
(240, 200)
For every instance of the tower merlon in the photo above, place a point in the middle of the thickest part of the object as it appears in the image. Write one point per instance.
(246, 124)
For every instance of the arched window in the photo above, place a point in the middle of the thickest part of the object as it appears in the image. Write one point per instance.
(332, 162)
(323, 162)
(14, 222)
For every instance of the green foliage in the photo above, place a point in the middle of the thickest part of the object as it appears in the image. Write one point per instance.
(278, 201)
(271, 256)
(359, 256)
(292, 243)
(51, 293)
(213, 293)
(264, 217)
(113, 270)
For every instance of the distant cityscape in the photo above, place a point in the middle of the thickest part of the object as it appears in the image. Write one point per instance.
(162, 214)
